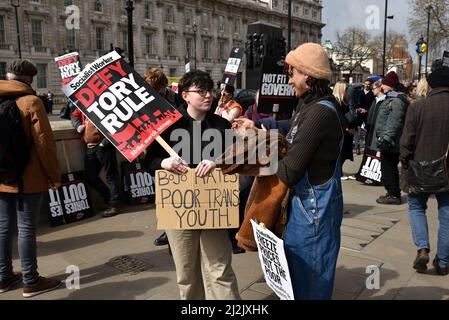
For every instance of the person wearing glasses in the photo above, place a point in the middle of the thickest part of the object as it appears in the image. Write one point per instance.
(197, 252)
(372, 115)
(228, 108)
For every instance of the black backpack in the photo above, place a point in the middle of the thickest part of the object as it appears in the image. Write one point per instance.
(14, 148)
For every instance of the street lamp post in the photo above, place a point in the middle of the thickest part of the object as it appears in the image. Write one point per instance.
(195, 29)
(429, 10)
(16, 4)
(129, 9)
(385, 36)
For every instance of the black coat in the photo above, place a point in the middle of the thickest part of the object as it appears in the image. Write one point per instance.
(155, 153)
(426, 128)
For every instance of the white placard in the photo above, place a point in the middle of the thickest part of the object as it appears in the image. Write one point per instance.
(273, 262)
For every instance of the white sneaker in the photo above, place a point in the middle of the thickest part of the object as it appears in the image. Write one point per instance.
(344, 178)
(352, 178)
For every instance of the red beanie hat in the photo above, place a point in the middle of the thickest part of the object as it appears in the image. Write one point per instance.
(391, 79)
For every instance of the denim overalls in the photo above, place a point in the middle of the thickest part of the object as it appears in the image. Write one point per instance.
(312, 237)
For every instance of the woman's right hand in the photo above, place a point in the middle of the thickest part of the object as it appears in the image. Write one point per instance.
(175, 165)
(240, 125)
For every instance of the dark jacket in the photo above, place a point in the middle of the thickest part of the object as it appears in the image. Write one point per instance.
(426, 130)
(316, 131)
(155, 153)
(371, 123)
(390, 122)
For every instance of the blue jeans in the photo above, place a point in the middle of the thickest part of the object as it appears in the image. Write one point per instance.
(26, 222)
(417, 205)
(96, 159)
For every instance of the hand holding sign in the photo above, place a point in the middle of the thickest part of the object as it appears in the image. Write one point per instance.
(175, 165)
(204, 168)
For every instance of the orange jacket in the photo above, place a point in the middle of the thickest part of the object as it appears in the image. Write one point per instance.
(43, 166)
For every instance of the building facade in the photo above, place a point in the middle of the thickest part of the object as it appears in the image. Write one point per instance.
(164, 31)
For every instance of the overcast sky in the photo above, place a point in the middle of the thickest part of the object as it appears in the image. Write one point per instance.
(341, 14)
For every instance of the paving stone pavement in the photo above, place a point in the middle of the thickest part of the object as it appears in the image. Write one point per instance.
(372, 235)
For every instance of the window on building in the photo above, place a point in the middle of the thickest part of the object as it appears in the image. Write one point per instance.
(275, 3)
(172, 72)
(285, 5)
(306, 11)
(296, 10)
(205, 21)
(125, 40)
(99, 38)
(123, 9)
(36, 33)
(189, 17)
(66, 2)
(2, 30)
(170, 45)
(206, 49)
(149, 9)
(169, 14)
(237, 25)
(98, 5)
(2, 70)
(221, 23)
(41, 75)
(71, 39)
(149, 43)
(190, 47)
(222, 50)
(314, 14)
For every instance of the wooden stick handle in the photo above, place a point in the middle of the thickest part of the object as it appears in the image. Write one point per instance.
(167, 148)
(66, 158)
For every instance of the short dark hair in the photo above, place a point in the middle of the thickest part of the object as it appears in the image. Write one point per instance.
(229, 89)
(319, 86)
(197, 78)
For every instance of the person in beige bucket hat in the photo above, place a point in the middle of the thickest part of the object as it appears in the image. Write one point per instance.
(311, 169)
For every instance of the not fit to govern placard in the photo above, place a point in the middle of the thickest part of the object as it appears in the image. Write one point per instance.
(190, 202)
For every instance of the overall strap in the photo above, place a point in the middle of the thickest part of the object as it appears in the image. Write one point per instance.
(330, 105)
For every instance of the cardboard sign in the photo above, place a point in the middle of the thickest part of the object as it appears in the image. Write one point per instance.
(273, 262)
(71, 202)
(189, 202)
(446, 58)
(69, 66)
(232, 66)
(369, 172)
(138, 184)
(124, 108)
(275, 94)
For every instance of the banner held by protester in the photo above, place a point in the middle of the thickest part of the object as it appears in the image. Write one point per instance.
(446, 58)
(370, 172)
(124, 108)
(232, 66)
(69, 66)
(190, 202)
(275, 94)
(273, 261)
